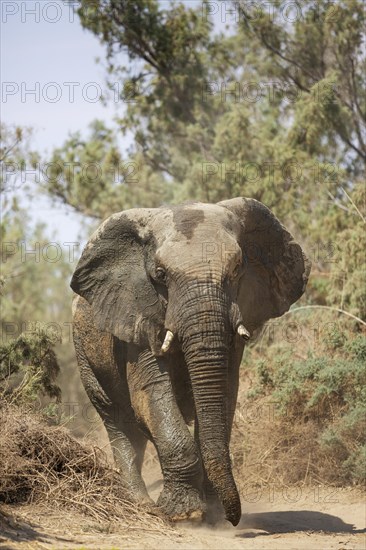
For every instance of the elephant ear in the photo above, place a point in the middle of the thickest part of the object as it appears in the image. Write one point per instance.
(112, 275)
(276, 269)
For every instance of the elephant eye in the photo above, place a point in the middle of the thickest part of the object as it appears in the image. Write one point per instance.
(160, 274)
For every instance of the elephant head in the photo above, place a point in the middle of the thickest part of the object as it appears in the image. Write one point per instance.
(201, 274)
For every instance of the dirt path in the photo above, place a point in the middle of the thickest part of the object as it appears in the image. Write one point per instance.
(290, 519)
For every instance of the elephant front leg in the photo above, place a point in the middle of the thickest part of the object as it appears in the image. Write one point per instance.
(155, 405)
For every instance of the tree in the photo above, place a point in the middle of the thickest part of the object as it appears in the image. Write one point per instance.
(206, 143)
(271, 109)
(92, 177)
(322, 57)
(35, 316)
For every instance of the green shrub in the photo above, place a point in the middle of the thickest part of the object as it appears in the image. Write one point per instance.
(328, 388)
(28, 367)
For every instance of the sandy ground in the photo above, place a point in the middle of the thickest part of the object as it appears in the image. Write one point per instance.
(319, 518)
(274, 518)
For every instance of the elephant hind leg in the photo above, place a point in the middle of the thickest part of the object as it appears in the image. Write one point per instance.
(107, 390)
(127, 442)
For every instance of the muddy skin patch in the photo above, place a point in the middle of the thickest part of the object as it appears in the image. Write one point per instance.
(186, 220)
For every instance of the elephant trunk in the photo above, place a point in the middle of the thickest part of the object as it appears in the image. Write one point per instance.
(205, 344)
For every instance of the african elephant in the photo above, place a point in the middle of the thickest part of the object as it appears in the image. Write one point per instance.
(166, 299)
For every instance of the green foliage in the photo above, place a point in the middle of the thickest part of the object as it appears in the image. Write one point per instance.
(34, 286)
(291, 134)
(34, 283)
(320, 383)
(15, 152)
(348, 283)
(93, 178)
(28, 367)
(322, 57)
(357, 348)
(298, 146)
(328, 389)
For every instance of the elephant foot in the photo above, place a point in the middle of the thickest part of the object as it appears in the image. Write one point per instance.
(152, 509)
(181, 502)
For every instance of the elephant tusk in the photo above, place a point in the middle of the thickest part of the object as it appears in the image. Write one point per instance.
(243, 332)
(167, 341)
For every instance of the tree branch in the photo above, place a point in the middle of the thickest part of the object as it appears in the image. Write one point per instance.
(329, 308)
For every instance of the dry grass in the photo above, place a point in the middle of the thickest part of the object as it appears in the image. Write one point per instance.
(287, 448)
(44, 464)
(269, 450)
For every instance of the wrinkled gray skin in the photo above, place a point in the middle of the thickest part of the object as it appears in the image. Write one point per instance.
(200, 271)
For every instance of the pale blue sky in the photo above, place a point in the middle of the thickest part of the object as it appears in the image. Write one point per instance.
(37, 53)
(42, 42)
(34, 53)
(43, 47)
